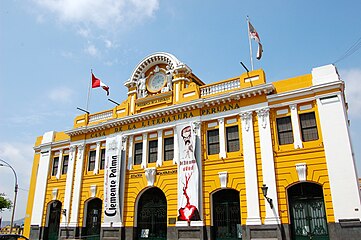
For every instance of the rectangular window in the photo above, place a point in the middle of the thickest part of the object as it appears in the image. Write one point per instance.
(308, 127)
(284, 128)
(213, 141)
(91, 160)
(152, 151)
(138, 149)
(232, 139)
(64, 168)
(102, 158)
(168, 148)
(55, 166)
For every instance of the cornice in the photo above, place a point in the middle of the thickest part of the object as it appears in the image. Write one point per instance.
(305, 91)
(174, 109)
(51, 145)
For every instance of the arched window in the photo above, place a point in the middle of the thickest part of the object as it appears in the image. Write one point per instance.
(93, 216)
(226, 215)
(307, 211)
(152, 215)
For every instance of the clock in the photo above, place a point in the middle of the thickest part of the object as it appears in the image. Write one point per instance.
(156, 82)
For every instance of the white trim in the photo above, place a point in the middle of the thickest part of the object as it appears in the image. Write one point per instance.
(297, 141)
(60, 163)
(160, 149)
(68, 186)
(77, 187)
(250, 170)
(41, 180)
(145, 151)
(130, 153)
(97, 156)
(268, 167)
(222, 139)
(339, 158)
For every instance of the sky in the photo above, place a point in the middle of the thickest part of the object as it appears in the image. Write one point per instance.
(48, 48)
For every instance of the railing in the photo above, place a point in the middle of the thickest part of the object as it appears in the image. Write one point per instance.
(100, 116)
(219, 87)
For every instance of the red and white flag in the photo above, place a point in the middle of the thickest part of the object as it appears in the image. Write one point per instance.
(96, 82)
(254, 35)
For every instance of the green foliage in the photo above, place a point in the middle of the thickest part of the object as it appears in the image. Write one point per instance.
(4, 202)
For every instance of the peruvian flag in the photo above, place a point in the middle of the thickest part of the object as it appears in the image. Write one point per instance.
(96, 82)
(254, 35)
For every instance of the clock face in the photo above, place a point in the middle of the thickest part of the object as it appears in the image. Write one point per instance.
(156, 82)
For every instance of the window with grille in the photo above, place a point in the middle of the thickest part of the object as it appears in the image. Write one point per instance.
(284, 129)
(308, 127)
(213, 141)
(138, 148)
(232, 139)
(64, 168)
(168, 148)
(55, 166)
(152, 151)
(102, 159)
(91, 160)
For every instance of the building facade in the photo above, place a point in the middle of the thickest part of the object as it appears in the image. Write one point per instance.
(181, 159)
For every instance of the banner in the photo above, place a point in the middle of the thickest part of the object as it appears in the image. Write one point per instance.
(188, 175)
(112, 179)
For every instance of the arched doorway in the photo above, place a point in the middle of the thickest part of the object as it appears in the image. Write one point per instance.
(53, 220)
(92, 219)
(307, 210)
(226, 215)
(152, 215)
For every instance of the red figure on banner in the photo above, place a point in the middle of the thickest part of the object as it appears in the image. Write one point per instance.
(188, 212)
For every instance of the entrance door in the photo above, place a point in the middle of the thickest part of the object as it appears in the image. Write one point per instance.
(226, 215)
(152, 215)
(93, 218)
(53, 220)
(308, 216)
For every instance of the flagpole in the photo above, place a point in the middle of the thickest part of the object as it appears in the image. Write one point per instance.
(88, 97)
(250, 44)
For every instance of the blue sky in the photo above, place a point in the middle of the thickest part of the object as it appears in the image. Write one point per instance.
(47, 48)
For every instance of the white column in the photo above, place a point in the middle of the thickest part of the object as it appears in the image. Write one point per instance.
(77, 187)
(145, 150)
(250, 170)
(130, 153)
(339, 158)
(97, 157)
(222, 139)
(268, 167)
(42, 179)
(160, 149)
(297, 141)
(68, 186)
(176, 147)
(59, 164)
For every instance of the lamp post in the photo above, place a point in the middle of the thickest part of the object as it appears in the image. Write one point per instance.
(16, 191)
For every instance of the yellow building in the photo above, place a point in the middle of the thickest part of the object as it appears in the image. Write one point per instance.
(181, 159)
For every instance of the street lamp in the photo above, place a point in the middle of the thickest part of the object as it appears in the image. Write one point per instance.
(16, 191)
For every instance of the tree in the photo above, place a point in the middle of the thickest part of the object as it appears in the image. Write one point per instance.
(4, 202)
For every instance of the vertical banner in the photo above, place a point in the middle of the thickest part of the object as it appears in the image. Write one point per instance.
(112, 179)
(188, 175)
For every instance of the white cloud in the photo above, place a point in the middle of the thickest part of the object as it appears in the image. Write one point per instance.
(61, 95)
(20, 156)
(108, 43)
(352, 78)
(91, 50)
(104, 14)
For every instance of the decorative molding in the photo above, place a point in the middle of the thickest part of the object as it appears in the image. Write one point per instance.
(54, 193)
(196, 127)
(263, 114)
(150, 176)
(93, 190)
(246, 117)
(124, 141)
(301, 169)
(223, 179)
